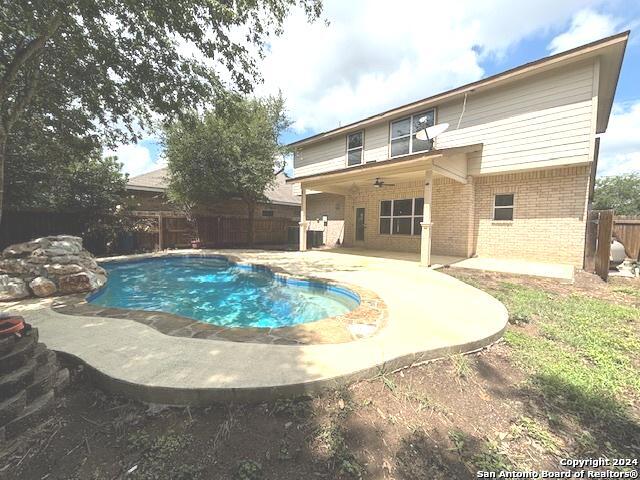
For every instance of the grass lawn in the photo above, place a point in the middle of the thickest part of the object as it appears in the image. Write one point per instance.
(564, 383)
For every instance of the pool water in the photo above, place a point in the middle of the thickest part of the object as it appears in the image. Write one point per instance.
(217, 291)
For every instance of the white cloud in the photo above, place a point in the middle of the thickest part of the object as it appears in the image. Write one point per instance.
(377, 54)
(620, 145)
(586, 26)
(135, 158)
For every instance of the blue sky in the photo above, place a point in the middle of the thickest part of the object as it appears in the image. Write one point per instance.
(374, 55)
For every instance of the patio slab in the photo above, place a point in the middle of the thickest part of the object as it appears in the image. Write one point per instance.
(518, 267)
(430, 315)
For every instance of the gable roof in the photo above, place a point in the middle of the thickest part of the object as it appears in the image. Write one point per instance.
(156, 181)
(610, 49)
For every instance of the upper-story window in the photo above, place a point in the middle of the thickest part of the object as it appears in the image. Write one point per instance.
(355, 143)
(403, 134)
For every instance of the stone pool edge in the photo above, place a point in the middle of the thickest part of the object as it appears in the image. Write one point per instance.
(371, 311)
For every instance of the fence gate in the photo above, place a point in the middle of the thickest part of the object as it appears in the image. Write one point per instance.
(598, 242)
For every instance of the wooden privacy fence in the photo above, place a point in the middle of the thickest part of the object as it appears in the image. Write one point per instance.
(16, 227)
(228, 231)
(148, 230)
(598, 242)
(174, 230)
(626, 229)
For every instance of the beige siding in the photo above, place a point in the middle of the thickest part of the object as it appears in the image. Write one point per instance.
(376, 143)
(545, 121)
(321, 157)
(540, 122)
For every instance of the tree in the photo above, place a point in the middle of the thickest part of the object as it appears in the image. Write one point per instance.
(113, 66)
(231, 151)
(619, 192)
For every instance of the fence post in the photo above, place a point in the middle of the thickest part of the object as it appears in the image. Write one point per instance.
(603, 253)
(160, 232)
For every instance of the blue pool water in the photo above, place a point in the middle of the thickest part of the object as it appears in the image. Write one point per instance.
(214, 290)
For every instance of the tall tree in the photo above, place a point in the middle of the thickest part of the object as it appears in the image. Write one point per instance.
(232, 151)
(619, 192)
(112, 66)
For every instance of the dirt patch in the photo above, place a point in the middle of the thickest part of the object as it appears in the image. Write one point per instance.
(425, 422)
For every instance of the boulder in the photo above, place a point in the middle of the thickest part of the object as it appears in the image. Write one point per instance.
(48, 265)
(42, 287)
(20, 249)
(80, 282)
(58, 269)
(12, 288)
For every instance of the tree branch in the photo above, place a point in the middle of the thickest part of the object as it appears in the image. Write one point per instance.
(25, 53)
(21, 103)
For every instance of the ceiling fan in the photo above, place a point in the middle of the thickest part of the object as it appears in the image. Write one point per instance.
(381, 183)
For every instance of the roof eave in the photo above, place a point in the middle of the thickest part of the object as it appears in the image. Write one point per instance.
(145, 189)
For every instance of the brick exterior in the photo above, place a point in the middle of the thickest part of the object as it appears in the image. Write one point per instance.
(548, 225)
(332, 206)
(549, 215)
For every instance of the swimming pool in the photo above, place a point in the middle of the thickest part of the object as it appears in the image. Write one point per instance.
(217, 291)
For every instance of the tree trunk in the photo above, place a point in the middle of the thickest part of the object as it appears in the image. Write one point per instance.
(3, 146)
(251, 237)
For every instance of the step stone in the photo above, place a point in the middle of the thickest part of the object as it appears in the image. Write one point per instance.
(21, 353)
(62, 381)
(31, 415)
(12, 407)
(40, 353)
(12, 383)
(6, 344)
(43, 381)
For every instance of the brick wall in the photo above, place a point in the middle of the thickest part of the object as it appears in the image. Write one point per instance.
(332, 205)
(548, 225)
(549, 215)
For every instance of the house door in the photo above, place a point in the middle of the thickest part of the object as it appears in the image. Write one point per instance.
(360, 224)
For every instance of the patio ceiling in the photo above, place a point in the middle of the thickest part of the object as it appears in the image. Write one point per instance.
(450, 162)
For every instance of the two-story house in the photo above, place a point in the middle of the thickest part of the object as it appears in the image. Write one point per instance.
(511, 177)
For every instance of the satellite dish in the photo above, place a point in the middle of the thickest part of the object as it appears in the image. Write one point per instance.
(430, 133)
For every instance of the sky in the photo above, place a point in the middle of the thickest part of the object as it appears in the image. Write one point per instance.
(371, 55)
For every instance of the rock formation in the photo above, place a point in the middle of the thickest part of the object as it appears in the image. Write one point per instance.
(46, 266)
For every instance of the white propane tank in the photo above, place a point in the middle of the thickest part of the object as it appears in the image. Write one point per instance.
(617, 254)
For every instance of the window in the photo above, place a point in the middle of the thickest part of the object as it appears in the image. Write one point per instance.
(503, 207)
(267, 213)
(403, 134)
(354, 148)
(401, 217)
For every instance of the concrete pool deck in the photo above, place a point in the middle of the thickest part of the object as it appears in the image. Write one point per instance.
(430, 315)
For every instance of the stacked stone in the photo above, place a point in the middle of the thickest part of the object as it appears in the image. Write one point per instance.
(46, 266)
(30, 379)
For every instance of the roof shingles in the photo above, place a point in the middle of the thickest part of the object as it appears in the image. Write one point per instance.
(281, 193)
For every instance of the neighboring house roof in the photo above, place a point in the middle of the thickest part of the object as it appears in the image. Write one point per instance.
(156, 181)
(610, 50)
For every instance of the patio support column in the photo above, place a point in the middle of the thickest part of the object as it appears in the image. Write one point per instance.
(303, 219)
(425, 239)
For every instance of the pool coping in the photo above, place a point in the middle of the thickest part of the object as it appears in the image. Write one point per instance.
(370, 312)
(124, 357)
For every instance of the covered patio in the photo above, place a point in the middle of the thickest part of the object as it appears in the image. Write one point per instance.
(394, 177)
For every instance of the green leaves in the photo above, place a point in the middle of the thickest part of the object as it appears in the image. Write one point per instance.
(620, 192)
(230, 151)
